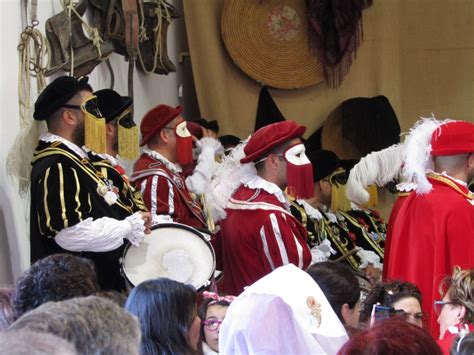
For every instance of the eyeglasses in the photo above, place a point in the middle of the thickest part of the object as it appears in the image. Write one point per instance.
(438, 306)
(212, 324)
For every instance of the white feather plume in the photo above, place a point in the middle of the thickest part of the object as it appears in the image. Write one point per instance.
(375, 168)
(226, 180)
(417, 156)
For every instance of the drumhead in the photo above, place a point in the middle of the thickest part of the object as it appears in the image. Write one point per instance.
(172, 250)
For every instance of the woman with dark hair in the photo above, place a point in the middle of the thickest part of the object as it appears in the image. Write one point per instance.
(402, 298)
(168, 316)
(391, 336)
(341, 288)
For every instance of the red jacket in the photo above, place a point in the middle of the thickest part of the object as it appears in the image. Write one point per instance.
(258, 235)
(433, 233)
(391, 222)
(165, 193)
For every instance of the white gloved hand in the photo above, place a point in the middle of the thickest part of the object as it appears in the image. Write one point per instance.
(321, 252)
(209, 142)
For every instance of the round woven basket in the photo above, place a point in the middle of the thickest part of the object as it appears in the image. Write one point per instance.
(268, 40)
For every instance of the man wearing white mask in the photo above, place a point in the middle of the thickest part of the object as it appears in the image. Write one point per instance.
(259, 233)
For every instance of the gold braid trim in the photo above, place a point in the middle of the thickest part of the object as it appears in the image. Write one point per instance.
(81, 163)
(366, 236)
(451, 184)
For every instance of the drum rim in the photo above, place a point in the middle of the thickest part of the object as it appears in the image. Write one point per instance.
(174, 224)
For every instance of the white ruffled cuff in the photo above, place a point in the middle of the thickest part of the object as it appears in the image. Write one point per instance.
(321, 252)
(369, 257)
(137, 228)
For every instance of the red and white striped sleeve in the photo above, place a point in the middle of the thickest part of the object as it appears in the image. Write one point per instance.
(282, 243)
(158, 194)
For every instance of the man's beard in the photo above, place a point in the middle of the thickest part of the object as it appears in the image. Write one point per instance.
(78, 135)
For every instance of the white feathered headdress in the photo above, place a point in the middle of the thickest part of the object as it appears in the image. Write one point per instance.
(378, 168)
(227, 178)
(417, 155)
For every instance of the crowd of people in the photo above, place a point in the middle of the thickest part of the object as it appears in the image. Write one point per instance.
(300, 264)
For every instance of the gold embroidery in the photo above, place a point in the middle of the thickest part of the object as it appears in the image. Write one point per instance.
(84, 164)
(45, 202)
(61, 196)
(89, 200)
(76, 197)
(367, 237)
(326, 226)
(451, 184)
(315, 308)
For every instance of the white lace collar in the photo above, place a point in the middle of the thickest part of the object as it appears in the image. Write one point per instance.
(49, 137)
(175, 168)
(310, 210)
(406, 186)
(257, 182)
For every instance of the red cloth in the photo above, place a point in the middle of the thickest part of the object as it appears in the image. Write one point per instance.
(165, 193)
(259, 235)
(388, 237)
(447, 342)
(433, 233)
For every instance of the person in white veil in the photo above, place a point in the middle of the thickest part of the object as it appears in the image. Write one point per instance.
(284, 312)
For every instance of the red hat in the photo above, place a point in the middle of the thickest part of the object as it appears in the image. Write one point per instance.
(156, 119)
(268, 137)
(453, 138)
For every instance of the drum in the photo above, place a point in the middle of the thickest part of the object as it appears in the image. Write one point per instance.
(172, 250)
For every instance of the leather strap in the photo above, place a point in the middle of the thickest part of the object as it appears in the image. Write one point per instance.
(130, 14)
(132, 25)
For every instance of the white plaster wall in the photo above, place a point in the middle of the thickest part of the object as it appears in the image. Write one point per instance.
(149, 91)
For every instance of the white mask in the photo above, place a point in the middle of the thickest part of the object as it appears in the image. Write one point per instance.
(182, 130)
(296, 155)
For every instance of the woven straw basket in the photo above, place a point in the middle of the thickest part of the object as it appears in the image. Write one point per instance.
(268, 40)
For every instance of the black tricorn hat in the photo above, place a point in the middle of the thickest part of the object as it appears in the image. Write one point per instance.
(111, 104)
(324, 163)
(57, 93)
(267, 111)
(229, 140)
(212, 125)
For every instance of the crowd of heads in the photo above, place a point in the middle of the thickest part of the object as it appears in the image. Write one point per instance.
(57, 308)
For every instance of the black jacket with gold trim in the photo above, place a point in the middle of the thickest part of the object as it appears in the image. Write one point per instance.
(335, 230)
(127, 193)
(64, 192)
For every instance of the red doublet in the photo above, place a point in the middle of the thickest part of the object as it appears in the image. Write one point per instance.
(165, 193)
(258, 235)
(432, 234)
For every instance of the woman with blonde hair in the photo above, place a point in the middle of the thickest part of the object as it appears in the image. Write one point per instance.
(456, 309)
